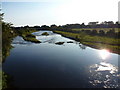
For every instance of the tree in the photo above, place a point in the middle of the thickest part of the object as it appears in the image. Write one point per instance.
(82, 25)
(94, 32)
(45, 27)
(111, 33)
(101, 33)
(53, 27)
(1, 17)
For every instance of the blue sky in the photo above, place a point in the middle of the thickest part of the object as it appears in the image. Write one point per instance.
(59, 12)
(24, 13)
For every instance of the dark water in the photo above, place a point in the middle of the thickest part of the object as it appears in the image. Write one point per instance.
(71, 65)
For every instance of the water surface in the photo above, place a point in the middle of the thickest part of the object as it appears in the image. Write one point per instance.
(71, 65)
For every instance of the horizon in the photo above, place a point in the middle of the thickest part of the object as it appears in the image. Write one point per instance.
(65, 24)
(59, 12)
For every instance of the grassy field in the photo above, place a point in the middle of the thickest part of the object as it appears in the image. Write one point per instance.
(98, 29)
(88, 38)
(94, 41)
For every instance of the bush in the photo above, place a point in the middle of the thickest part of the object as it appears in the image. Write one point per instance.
(45, 33)
(59, 43)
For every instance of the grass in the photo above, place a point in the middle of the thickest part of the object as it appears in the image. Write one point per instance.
(31, 38)
(27, 36)
(103, 40)
(111, 48)
(87, 38)
(113, 44)
(97, 29)
(45, 33)
(67, 34)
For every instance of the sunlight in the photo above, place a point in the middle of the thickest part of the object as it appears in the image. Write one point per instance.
(104, 53)
(107, 67)
(70, 12)
(104, 74)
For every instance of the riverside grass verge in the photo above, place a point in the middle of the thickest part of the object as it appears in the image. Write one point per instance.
(97, 29)
(45, 33)
(28, 36)
(98, 42)
(31, 38)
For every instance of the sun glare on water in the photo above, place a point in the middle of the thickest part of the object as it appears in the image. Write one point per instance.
(104, 53)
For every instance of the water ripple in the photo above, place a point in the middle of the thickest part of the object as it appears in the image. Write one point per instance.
(104, 75)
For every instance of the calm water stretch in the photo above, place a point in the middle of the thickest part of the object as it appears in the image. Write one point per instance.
(71, 65)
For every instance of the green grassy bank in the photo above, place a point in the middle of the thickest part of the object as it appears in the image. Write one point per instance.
(99, 42)
(27, 36)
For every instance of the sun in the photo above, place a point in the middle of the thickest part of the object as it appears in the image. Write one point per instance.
(104, 53)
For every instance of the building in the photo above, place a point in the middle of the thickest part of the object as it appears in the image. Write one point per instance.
(92, 23)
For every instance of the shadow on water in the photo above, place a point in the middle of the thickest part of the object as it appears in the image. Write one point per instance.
(7, 81)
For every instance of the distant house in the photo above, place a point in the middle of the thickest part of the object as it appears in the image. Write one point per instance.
(92, 23)
(108, 23)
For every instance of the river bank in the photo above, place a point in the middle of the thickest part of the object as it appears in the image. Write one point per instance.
(112, 44)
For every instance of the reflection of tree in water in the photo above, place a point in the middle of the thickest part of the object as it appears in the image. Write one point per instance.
(82, 46)
(104, 75)
(8, 34)
(6, 81)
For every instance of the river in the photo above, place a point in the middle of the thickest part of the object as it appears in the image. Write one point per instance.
(70, 65)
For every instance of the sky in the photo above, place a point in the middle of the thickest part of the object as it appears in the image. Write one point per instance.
(59, 12)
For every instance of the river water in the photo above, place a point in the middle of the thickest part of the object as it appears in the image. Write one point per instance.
(49, 65)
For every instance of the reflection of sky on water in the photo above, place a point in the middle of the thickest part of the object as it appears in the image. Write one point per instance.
(104, 74)
(101, 72)
(20, 40)
(51, 38)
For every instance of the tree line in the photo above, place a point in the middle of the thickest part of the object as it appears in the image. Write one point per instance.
(105, 24)
(91, 25)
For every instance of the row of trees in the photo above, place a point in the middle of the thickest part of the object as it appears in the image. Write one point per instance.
(69, 28)
(105, 24)
(110, 33)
